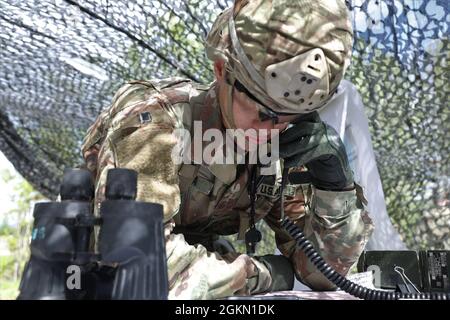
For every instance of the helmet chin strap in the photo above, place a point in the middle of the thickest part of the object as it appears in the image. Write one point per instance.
(227, 110)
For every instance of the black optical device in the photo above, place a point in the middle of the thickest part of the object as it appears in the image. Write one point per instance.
(131, 262)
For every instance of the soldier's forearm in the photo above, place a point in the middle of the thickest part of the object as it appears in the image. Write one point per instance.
(338, 229)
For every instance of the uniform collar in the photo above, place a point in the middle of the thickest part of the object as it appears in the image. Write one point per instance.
(207, 110)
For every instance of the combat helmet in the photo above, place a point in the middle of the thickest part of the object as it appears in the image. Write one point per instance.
(290, 55)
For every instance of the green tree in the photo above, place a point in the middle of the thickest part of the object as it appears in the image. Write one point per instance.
(15, 230)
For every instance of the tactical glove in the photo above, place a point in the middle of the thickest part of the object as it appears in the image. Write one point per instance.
(281, 272)
(313, 143)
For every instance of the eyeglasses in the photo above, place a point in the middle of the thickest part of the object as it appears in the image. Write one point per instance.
(264, 112)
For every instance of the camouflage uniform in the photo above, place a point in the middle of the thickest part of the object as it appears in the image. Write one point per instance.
(203, 201)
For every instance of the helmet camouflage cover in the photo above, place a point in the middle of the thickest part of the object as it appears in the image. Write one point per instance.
(290, 54)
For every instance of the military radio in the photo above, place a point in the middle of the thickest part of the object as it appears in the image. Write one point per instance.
(375, 294)
(408, 271)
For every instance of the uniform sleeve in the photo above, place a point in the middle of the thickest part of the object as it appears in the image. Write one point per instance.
(335, 223)
(92, 141)
(136, 133)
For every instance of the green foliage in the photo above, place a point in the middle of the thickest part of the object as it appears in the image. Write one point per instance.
(15, 229)
(5, 230)
(8, 285)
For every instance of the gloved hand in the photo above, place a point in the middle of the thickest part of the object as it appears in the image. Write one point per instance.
(281, 272)
(313, 143)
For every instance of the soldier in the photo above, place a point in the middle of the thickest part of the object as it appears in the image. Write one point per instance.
(276, 63)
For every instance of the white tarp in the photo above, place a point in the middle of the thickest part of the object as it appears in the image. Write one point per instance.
(346, 114)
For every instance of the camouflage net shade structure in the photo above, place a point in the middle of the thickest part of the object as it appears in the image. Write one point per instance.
(62, 61)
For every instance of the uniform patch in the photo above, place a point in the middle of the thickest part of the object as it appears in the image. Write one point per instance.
(145, 117)
(273, 191)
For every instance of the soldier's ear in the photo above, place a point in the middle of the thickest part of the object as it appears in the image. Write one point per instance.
(219, 70)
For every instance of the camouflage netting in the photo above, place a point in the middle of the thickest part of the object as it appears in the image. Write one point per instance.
(61, 61)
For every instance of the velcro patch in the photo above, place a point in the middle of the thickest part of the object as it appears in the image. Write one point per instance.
(145, 117)
(273, 191)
